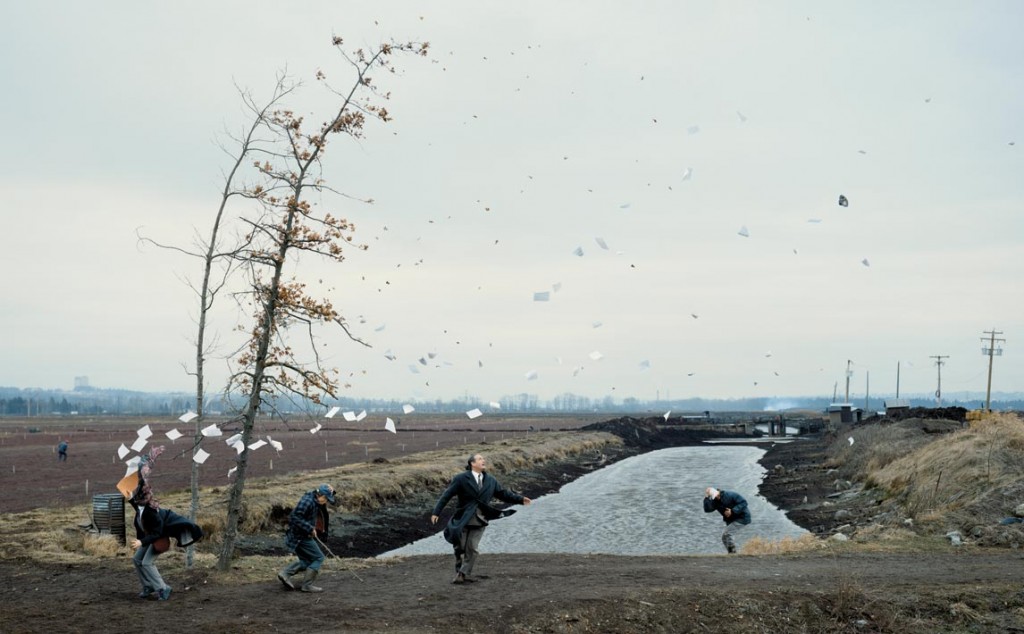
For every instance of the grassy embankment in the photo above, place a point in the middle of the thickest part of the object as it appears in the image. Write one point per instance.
(928, 484)
(57, 534)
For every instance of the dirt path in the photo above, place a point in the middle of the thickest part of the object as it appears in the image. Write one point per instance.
(863, 592)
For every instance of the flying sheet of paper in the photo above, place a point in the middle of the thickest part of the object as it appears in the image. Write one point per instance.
(408, 409)
(132, 465)
(669, 412)
(361, 415)
(693, 129)
(211, 431)
(576, 370)
(557, 286)
(596, 324)
(688, 174)
(390, 356)
(645, 365)
(601, 243)
(122, 451)
(542, 296)
(232, 470)
(144, 432)
(578, 251)
(349, 416)
(850, 439)
(238, 446)
(139, 444)
(380, 327)
(865, 262)
(332, 412)
(188, 416)
(256, 445)
(596, 356)
(174, 434)
(474, 413)
(389, 425)
(275, 444)
(316, 429)
(531, 375)
(414, 369)
(200, 456)
(744, 232)
(495, 405)
(233, 440)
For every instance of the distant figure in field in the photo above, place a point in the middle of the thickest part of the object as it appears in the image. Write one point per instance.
(734, 512)
(62, 451)
(308, 521)
(154, 527)
(474, 489)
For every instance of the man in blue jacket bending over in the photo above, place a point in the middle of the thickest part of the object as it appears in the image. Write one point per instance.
(474, 489)
(734, 511)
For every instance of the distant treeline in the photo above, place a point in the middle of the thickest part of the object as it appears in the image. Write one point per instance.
(116, 402)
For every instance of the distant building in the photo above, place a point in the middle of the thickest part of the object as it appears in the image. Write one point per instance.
(81, 382)
(844, 413)
(896, 405)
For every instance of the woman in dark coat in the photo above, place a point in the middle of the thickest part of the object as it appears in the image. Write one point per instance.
(154, 527)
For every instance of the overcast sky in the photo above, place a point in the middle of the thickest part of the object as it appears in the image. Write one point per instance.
(532, 129)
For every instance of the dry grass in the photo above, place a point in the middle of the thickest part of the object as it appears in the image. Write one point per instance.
(966, 473)
(784, 546)
(361, 487)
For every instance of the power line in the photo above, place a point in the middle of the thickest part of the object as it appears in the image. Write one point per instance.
(938, 363)
(991, 351)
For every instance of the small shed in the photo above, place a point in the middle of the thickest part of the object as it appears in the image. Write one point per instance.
(896, 406)
(844, 413)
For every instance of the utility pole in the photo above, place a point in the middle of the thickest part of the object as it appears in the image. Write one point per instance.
(849, 373)
(897, 379)
(938, 363)
(867, 390)
(991, 351)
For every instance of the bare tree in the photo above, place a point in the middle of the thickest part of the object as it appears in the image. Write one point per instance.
(221, 261)
(287, 223)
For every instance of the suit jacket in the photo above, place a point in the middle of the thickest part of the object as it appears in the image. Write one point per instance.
(151, 524)
(470, 499)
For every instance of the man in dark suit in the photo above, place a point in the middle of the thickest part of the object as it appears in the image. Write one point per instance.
(474, 489)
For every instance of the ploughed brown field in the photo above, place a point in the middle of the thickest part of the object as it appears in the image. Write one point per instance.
(31, 477)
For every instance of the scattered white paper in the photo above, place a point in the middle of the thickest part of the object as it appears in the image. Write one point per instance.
(379, 328)
(389, 425)
(693, 129)
(740, 115)
(495, 405)
(414, 369)
(188, 417)
(624, 206)
(474, 413)
(256, 445)
(666, 415)
(316, 429)
(122, 451)
(814, 220)
(200, 456)
(233, 440)
(645, 365)
(390, 356)
(850, 439)
(865, 262)
(174, 434)
(542, 296)
(601, 243)
(238, 446)
(688, 174)
(350, 416)
(578, 251)
(332, 412)
(361, 415)
(431, 355)
(144, 432)
(275, 444)
(596, 324)
(422, 361)
(744, 232)
(531, 375)
(408, 409)
(132, 465)
(232, 470)
(211, 431)
(576, 370)
(139, 444)
(557, 286)
(596, 356)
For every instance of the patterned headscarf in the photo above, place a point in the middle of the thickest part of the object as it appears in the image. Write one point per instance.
(145, 493)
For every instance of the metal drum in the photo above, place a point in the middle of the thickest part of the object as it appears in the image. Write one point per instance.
(108, 514)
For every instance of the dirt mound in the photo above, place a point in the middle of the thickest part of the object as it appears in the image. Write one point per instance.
(958, 414)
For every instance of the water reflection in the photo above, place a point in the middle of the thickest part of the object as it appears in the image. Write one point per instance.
(647, 504)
